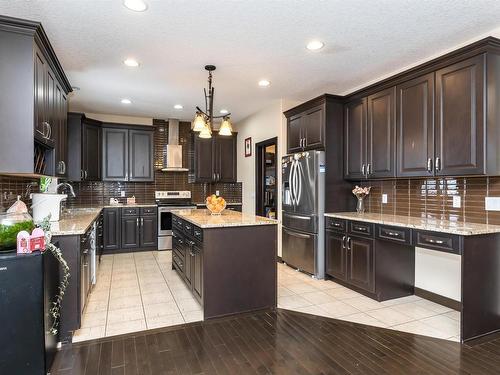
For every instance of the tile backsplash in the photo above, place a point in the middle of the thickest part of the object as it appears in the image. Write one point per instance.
(433, 198)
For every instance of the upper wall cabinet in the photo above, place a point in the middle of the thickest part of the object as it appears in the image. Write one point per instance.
(33, 101)
(370, 136)
(127, 154)
(84, 141)
(306, 130)
(215, 158)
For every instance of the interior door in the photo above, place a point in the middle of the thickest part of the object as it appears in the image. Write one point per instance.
(336, 255)
(298, 249)
(415, 127)
(294, 133)
(381, 134)
(361, 263)
(460, 116)
(355, 139)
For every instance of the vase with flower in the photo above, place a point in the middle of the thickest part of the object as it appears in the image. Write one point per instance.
(361, 193)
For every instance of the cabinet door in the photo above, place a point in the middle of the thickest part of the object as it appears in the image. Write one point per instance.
(225, 151)
(381, 134)
(197, 273)
(50, 105)
(112, 229)
(188, 264)
(141, 155)
(61, 127)
(336, 261)
(149, 234)
(130, 236)
(115, 155)
(91, 152)
(361, 263)
(460, 116)
(203, 159)
(314, 128)
(40, 93)
(415, 127)
(294, 133)
(355, 139)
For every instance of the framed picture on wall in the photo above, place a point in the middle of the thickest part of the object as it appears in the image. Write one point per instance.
(248, 147)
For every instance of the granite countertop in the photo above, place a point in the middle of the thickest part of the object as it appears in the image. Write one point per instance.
(435, 225)
(203, 219)
(130, 205)
(75, 222)
(227, 204)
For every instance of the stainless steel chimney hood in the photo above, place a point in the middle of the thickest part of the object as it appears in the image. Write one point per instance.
(172, 152)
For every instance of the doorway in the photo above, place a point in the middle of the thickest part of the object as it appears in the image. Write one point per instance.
(266, 178)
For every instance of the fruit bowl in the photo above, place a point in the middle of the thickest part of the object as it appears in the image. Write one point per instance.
(215, 204)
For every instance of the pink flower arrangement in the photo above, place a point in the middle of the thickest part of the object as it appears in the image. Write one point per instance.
(361, 192)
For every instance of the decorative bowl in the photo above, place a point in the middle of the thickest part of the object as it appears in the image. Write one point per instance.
(215, 204)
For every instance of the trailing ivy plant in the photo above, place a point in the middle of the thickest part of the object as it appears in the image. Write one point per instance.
(55, 310)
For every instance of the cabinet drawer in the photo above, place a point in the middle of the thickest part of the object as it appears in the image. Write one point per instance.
(449, 243)
(187, 227)
(396, 234)
(148, 211)
(176, 222)
(133, 211)
(198, 233)
(357, 227)
(178, 261)
(335, 224)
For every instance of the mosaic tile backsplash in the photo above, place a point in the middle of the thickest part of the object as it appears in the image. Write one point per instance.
(433, 198)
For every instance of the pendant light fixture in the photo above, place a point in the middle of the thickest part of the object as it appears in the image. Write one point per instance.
(203, 120)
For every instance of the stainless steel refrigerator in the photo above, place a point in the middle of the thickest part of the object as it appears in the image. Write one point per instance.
(303, 205)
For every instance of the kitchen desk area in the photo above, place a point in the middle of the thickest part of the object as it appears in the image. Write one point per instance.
(374, 254)
(228, 261)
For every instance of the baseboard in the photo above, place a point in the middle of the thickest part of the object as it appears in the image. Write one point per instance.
(445, 301)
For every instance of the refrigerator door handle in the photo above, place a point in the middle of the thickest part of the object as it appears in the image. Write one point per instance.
(293, 183)
(299, 181)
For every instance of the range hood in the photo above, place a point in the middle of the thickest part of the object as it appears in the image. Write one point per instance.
(172, 152)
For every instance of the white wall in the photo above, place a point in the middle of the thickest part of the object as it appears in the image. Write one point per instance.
(120, 119)
(264, 124)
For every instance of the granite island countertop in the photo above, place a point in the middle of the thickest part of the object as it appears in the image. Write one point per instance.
(203, 219)
(434, 225)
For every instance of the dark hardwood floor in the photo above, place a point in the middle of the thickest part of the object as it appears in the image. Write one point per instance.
(276, 342)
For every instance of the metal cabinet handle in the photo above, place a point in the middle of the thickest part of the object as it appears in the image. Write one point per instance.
(349, 243)
(392, 234)
(337, 225)
(429, 165)
(437, 242)
(362, 229)
(64, 166)
(81, 174)
(363, 170)
(369, 169)
(438, 164)
(142, 221)
(86, 174)
(343, 242)
(137, 220)
(49, 135)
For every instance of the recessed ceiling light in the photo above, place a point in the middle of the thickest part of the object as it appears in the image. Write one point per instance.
(178, 106)
(315, 45)
(264, 83)
(131, 62)
(136, 5)
(126, 101)
(223, 111)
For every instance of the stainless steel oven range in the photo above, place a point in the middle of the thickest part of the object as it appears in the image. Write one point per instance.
(167, 202)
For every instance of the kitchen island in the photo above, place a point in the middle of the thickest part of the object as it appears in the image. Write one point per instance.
(228, 261)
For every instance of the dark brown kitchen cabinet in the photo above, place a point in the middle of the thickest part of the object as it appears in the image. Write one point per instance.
(40, 94)
(84, 143)
(112, 228)
(61, 136)
(415, 127)
(149, 231)
(355, 114)
(215, 158)
(306, 130)
(130, 232)
(460, 116)
(115, 156)
(127, 155)
(361, 263)
(197, 272)
(336, 255)
(141, 157)
(381, 134)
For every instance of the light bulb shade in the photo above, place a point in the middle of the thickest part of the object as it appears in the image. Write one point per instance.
(226, 128)
(199, 123)
(206, 132)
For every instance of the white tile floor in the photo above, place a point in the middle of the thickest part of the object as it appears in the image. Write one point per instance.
(299, 292)
(136, 292)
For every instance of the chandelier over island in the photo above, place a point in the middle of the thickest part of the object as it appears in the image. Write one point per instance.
(203, 121)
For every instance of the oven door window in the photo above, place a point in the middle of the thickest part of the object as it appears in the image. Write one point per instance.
(165, 220)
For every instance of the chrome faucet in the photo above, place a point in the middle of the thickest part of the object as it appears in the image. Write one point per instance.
(72, 192)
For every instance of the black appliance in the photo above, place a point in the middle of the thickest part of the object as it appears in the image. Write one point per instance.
(28, 286)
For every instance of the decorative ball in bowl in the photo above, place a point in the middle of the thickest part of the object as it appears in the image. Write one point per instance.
(215, 204)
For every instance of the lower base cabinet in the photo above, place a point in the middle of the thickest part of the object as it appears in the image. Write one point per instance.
(372, 265)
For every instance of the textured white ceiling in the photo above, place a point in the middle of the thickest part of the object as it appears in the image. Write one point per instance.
(248, 41)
